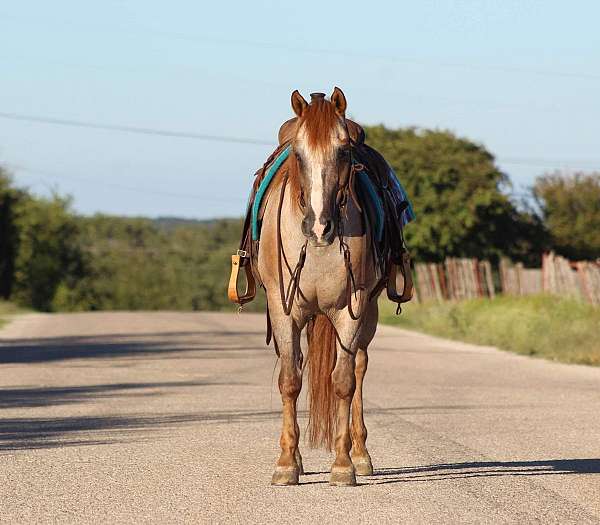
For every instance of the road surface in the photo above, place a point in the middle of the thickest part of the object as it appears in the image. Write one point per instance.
(174, 417)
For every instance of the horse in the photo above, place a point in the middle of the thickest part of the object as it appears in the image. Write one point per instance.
(310, 216)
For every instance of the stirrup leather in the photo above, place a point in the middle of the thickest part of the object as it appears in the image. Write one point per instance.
(241, 259)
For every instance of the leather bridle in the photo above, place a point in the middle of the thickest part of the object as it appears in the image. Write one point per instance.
(345, 188)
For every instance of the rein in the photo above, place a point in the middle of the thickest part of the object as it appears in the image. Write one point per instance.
(287, 296)
(346, 185)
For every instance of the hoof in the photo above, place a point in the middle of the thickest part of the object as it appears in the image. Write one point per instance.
(299, 461)
(342, 478)
(285, 476)
(363, 466)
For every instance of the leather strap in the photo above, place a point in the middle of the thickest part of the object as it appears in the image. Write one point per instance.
(287, 296)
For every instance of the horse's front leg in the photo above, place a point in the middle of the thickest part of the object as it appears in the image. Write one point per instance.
(287, 337)
(344, 385)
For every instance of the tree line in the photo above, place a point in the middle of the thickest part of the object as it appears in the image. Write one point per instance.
(53, 259)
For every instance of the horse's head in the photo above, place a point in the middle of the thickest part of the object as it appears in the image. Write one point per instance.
(321, 148)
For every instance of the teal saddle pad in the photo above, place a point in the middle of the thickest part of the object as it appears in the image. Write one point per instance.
(366, 190)
(262, 189)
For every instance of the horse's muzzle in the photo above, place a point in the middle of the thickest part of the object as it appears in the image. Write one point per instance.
(320, 236)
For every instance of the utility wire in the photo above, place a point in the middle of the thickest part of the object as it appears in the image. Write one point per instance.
(387, 58)
(135, 189)
(550, 163)
(244, 43)
(520, 161)
(149, 191)
(134, 129)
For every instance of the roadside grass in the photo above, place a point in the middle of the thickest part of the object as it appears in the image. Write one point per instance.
(6, 309)
(545, 326)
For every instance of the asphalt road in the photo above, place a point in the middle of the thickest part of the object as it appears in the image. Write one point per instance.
(174, 417)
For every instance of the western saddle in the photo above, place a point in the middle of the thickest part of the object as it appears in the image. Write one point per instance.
(391, 255)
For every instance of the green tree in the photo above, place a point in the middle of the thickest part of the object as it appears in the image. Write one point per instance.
(570, 205)
(140, 264)
(51, 259)
(457, 194)
(9, 197)
(48, 253)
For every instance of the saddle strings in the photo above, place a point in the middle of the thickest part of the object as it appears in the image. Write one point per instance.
(349, 187)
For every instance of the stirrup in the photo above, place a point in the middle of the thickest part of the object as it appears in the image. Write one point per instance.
(407, 288)
(241, 259)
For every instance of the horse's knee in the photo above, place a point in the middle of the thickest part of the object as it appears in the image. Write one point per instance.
(344, 382)
(290, 383)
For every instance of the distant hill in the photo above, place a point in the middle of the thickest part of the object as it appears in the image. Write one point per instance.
(168, 223)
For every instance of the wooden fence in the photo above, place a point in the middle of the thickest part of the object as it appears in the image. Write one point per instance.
(577, 279)
(457, 279)
(517, 280)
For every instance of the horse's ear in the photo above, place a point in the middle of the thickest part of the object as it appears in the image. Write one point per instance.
(338, 100)
(298, 103)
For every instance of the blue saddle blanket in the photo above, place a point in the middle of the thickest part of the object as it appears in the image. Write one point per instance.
(366, 189)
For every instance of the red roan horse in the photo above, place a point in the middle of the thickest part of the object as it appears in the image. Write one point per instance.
(306, 218)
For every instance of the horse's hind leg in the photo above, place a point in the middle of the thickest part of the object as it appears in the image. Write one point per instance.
(360, 455)
(297, 454)
(287, 336)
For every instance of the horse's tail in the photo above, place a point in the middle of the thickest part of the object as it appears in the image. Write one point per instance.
(321, 398)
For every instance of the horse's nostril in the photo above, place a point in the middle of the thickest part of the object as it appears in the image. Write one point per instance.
(328, 227)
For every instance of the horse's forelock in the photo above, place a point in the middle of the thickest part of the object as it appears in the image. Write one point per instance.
(318, 123)
(316, 130)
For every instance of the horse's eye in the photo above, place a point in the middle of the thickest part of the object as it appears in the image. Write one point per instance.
(343, 154)
(298, 157)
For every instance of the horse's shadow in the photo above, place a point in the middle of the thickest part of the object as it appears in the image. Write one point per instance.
(475, 469)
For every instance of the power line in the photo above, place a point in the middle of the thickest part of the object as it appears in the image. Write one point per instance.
(550, 163)
(419, 96)
(389, 58)
(134, 129)
(136, 189)
(520, 161)
(188, 37)
(141, 189)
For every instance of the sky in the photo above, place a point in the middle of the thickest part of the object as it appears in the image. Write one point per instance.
(520, 77)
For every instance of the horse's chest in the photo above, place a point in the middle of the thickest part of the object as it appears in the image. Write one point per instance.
(323, 279)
